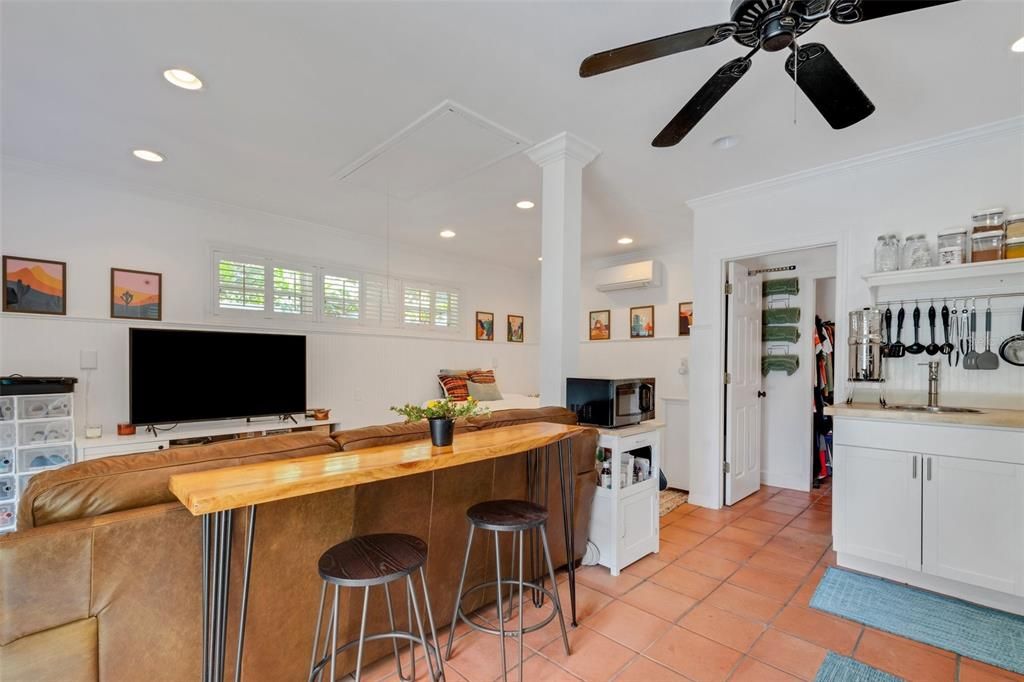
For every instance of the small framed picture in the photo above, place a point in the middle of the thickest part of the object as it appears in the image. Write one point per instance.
(33, 285)
(484, 326)
(600, 325)
(641, 322)
(136, 295)
(685, 318)
(515, 328)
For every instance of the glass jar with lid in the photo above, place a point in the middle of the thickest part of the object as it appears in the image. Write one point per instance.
(887, 253)
(987, 246)
(952, 246)
(1015, 226)
(1015, 248)
(987, 219)
(916, 253)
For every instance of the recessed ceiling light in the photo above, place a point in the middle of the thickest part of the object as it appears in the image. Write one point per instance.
(147, 155)
(625, 240)
(524, 204)
(1018, 45)
(727, 142)
(447, 234)
(183, 79)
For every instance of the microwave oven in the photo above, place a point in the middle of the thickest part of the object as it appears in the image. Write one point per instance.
(610, 402)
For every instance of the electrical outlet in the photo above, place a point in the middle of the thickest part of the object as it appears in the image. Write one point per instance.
(684, 366)
(88, 359)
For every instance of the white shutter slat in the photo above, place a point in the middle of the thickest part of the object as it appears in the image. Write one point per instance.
(292, 292)
(341, 297)
(240, 285)
(380, 301)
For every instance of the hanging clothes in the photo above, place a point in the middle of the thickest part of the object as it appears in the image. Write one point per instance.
(824, 346)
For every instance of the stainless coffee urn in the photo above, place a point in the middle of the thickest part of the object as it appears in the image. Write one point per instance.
(865, 349)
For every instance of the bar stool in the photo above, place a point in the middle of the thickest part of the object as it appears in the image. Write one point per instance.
(508, 516)
(364, 562)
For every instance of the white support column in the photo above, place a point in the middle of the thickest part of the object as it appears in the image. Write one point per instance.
(562, 159)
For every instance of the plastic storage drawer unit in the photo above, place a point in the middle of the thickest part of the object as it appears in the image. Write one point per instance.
(45, 431)
(7, 490)
(44, 406)
(6, 408)
(6, 461)
(45, 457)
(7, 438)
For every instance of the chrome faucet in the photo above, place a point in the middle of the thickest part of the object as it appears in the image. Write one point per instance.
(933, 383)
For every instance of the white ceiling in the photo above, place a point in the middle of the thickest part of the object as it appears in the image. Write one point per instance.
(295, 92)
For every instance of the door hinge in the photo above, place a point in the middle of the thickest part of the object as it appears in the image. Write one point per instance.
(728, 288)
(727, 378)
(725, 467)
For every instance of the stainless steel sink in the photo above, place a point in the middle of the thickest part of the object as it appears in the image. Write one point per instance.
(937, 409)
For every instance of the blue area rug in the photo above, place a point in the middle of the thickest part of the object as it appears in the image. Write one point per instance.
(836, 668)
(978, 632)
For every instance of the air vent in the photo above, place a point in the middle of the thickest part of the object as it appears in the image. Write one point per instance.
(444, 145)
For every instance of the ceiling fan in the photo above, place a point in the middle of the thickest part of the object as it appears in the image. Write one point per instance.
(769, 25)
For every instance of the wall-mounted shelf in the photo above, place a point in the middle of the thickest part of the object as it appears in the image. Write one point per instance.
(990, 270)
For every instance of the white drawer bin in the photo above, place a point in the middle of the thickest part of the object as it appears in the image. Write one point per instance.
(44, 406)
(6, 411)
(6, 462)
(45, 457)
(7, 511)
(7, 489)
(7, 437)
(45, 432)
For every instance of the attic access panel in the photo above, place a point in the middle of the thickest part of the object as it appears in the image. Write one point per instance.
(444, 145)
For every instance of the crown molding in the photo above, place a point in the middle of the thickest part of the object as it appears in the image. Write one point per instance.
(562, 146)
(994, 129)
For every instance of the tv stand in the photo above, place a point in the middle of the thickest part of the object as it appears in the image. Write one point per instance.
(191, 434)
(283, 418)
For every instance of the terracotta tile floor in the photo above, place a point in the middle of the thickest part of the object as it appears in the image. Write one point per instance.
(727, 598)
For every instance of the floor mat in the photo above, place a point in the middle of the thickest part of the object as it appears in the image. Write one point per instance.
(836, 668)
(978, 632)
(669, 499)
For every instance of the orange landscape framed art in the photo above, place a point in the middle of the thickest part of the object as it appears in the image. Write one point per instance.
(136, 295)
(34, 285)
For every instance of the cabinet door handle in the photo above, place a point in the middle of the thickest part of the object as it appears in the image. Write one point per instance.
(914, 475)
(929, 474)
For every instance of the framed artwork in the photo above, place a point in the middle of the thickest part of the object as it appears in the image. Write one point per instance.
(685, 318)
(33, 285)
(600, 325)
(515, 328)
(484, 326)
(641, 322)
(136, 295)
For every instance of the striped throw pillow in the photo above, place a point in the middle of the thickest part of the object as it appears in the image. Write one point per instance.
(455, 388)
(481, 376)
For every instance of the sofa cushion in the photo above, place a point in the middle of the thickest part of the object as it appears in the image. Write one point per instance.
(125, 482)
(499, 418)
(390, 434)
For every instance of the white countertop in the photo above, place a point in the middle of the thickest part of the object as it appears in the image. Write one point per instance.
(987, 417)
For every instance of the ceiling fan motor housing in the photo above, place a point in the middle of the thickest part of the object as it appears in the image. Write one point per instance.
(759, 22)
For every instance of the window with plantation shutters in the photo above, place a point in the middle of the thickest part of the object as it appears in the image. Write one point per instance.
(430, 307)
(293, 292)
(380, 301)
(342, 298)
(241, 285)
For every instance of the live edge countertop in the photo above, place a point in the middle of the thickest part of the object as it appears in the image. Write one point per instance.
(203, 492)
(990, 418)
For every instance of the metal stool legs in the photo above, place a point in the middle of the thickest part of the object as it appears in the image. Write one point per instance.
(520, 583)
(328, 656)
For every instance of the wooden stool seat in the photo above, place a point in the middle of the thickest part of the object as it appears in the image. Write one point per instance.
(507, 515)
(372, 559)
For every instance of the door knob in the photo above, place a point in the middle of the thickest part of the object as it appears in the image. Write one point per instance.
(761, 394)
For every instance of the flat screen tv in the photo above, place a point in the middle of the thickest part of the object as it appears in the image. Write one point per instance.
(185, 376)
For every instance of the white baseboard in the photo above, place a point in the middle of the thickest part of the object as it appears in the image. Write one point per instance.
(790, 481)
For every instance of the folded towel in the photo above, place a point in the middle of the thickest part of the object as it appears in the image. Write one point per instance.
(779, 363)
(780, 316)
(780, 332)
(775, 287)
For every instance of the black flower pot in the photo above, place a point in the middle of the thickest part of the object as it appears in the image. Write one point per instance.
(442, 431)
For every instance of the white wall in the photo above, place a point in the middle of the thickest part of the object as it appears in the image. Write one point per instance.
(93, 226)
(919, 188)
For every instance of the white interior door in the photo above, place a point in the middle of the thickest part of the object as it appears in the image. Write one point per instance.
(742, 400)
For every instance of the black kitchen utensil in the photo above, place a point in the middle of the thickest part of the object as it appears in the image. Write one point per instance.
(898, 350)
(917, 347)
(932, 348)
(988, 359)
(1012, 349)
(946, 348)
(971, 358)
(887, 320)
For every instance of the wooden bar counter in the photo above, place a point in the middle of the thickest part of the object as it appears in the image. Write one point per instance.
(214, 495)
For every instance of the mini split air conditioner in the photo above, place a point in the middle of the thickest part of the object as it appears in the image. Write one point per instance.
(639, 275)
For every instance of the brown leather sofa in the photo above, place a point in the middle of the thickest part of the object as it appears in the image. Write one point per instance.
(102, 579)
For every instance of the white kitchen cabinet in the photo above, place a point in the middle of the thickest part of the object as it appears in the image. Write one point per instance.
(973, 522)
(624, 523)
(878, 499)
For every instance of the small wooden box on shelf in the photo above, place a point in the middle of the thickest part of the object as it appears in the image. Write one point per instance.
(624, 523)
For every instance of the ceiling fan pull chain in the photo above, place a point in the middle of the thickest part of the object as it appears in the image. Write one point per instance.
(796, 71)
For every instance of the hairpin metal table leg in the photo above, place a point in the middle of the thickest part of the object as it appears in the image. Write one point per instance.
(569, 517)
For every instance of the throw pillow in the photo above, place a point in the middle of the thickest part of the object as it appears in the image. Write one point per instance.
(454, 387)
(483, 392)
(481, 376)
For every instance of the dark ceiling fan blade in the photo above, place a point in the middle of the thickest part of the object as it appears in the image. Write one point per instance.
(707, 97)
(829, 87)
(853, 11)
(602, 62)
